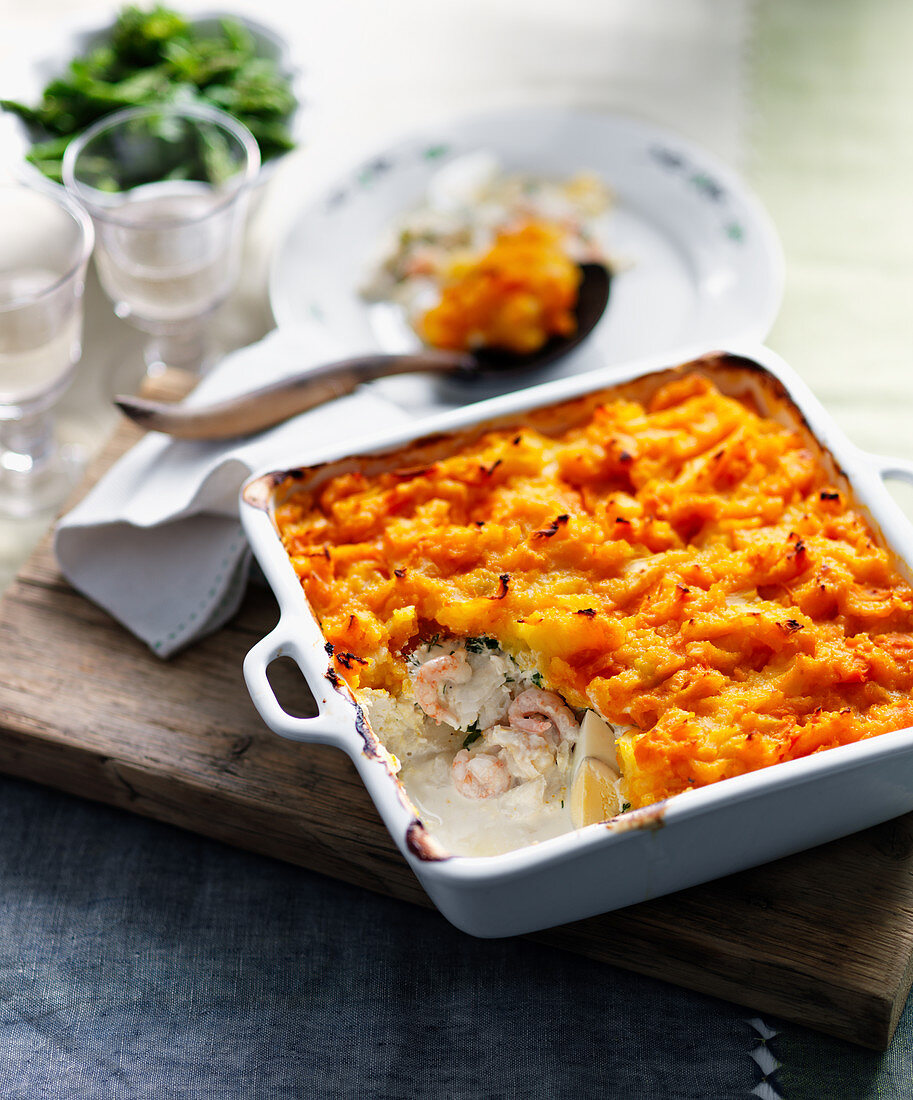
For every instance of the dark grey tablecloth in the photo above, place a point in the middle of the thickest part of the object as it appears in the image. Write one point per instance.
(140, 961)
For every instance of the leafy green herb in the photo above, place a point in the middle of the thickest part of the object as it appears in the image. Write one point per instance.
(159, 56)
(474, 734)
(625, 806)
(537, 679)
(481, 643)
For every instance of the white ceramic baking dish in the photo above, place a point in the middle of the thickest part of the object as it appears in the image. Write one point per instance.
(697, 836)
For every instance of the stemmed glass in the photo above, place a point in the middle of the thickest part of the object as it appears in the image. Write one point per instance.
(45, 244)
(167, 189)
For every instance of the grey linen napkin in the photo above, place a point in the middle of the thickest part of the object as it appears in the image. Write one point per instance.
(157, 542)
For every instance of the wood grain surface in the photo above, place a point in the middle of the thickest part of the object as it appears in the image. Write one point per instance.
(823, 938)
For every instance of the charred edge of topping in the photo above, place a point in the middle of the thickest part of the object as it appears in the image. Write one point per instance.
(406, 473)
(720, 359)
(430, 440)
(259, 493)
(262, 492)
(364, 731)
(553, 528)
(421, 844)
(328, 646)
(487, 471)
(399, 573)
(346, 659)
(650, 818)
(825, 495)
(791, 625)
(588, 611)
(505, 584)
(333, 677)
(625, 457)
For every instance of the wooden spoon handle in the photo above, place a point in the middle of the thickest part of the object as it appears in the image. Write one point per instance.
(262, 408)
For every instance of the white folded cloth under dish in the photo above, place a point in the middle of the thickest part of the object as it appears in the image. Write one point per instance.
(157, 542)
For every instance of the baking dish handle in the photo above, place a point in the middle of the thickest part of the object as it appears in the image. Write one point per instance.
(325, 727)
(901, 468)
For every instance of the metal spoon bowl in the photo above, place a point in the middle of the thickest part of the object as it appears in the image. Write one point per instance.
(262, 408)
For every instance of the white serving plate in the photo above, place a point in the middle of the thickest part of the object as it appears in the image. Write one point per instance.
(694, 837)
(26, 80)
(702, 264)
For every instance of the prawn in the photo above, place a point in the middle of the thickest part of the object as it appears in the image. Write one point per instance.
(479, 776)
(431, 675)
(421, 262)
(536, 711)
(527, 755)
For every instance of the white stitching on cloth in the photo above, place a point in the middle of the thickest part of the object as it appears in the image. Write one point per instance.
(763, 1059)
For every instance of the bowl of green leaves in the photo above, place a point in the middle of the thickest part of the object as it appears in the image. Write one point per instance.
(154, 56)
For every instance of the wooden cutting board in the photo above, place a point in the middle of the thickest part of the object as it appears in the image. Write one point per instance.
(824, 938)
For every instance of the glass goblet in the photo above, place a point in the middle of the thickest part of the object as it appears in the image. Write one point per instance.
(167, 188)
(45, 244)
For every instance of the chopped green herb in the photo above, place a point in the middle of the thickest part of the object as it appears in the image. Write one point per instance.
(625, 806)
(537, 679)
(471, 737)
(481, 643)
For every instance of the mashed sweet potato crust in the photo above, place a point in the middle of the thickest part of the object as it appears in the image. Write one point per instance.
(684, 567)
(516, 296)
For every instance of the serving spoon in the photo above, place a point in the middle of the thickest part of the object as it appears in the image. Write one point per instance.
(262, 408)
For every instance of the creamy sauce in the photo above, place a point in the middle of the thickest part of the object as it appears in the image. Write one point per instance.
(484, 827)
(485, 767)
